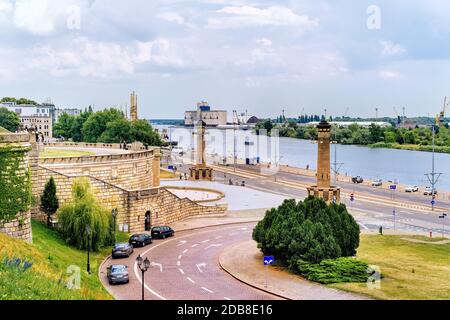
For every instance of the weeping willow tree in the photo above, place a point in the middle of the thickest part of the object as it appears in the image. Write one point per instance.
(82, 213)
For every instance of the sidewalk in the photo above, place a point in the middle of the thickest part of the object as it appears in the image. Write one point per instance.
(244, 262)
(232, 217)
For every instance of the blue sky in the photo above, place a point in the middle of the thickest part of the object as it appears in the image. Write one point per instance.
(263, 56)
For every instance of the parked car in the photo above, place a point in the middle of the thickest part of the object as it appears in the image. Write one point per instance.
(377, 183)
(428, 191)
(122, 250)
(357, 179)
(140, 240)
(162, 232)
(411, 189)
(118, 274)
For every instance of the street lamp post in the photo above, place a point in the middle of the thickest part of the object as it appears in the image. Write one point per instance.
(443, 216)
(143, 266)
(114, 213)
(88, 233)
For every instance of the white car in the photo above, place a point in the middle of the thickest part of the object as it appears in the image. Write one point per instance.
(412, 189)
(428, 191)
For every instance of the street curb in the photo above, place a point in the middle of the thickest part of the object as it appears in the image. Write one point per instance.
(248, 283)
(217, 225)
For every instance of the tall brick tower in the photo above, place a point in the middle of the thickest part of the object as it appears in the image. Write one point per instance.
(324, 189)
(133, 107)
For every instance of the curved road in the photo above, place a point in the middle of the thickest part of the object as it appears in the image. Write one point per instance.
(186, 267)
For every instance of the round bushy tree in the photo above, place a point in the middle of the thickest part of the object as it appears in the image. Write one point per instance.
(83, 211)
(49, 200)
(308, 230)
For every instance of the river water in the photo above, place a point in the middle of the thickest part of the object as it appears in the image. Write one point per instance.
(407, 167)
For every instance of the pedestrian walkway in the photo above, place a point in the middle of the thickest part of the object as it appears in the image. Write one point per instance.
(244, 261)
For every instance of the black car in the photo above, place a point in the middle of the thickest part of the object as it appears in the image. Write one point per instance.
(162, 232)
(122, 250)
(140, 240)
(118, 274)
(357, 179)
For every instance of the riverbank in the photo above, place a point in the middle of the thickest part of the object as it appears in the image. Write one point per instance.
(411, 147)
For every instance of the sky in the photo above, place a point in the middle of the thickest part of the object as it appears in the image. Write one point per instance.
(303, 56)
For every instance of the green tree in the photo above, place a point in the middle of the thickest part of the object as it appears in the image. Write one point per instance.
(85, 211)
(143, 132)
(96, 124)
(116, 132)
(9, 120)
(49, 199)
(309, 230)
(63, 128)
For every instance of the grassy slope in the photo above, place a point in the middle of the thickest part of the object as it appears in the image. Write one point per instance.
(51, 258)
(64, 153)
(3, 130)
(409, 270)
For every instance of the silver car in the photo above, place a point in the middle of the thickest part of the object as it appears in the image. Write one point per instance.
(411, 189)
(118, 274)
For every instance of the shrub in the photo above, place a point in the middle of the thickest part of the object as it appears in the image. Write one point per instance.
(308, 230)
(49, 200)
(333, 271)
(85, 211)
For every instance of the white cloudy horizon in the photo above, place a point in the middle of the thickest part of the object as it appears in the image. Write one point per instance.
(260, 56)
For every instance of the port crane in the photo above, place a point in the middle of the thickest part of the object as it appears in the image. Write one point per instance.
(442, 113)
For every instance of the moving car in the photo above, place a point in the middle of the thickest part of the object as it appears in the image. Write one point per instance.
(118, 274)
(377, 183)
(411, 189)
(122, 250)
(357, 179)
(428, 191)
(162, 232)
(140, 240)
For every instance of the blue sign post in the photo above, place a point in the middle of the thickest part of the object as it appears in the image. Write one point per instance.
(268, 261)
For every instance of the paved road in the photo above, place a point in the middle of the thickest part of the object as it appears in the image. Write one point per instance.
(370, 215)
(186, 267)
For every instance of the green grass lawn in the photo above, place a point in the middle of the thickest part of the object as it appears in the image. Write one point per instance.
(409, 270)
(46, 279)
(64, 153)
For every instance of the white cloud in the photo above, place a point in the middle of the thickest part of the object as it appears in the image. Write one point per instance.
(265, 42)
(389, 74)
(247, 16)
(171, 17)
(99, 59)
(391, 49)
(5, 6)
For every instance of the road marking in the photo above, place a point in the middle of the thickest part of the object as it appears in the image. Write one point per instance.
(243, 229)
(145, 286)
(226, 298)
(233, 234)
(156, 246)
(178, 263)
(181, 270)
(363, 226)
(179, 257)
(194, 245)
(212, 246)
(190, 280)
(207, 290)
(182, 242)
(200, 266)
(206, 241)
(185, 251)
(159, 265)
(219, 237)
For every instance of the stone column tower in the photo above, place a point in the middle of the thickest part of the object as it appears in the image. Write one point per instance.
(201, 171)
(324, 189)
(133, 107)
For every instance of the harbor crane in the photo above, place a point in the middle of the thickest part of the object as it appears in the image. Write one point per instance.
(442, 113)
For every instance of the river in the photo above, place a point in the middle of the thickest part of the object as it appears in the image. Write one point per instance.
(405, 166)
